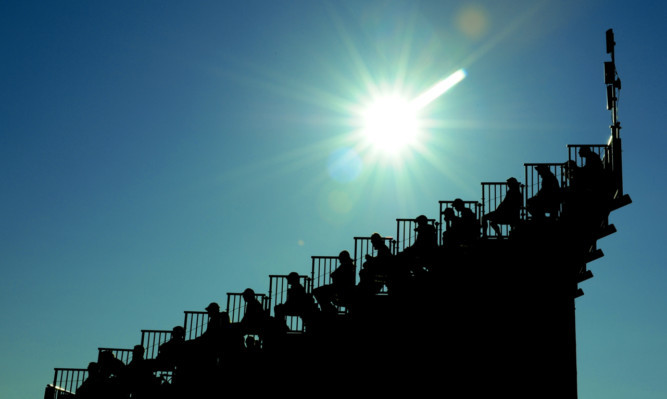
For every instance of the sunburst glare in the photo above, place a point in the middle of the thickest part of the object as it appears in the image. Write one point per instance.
(392, 124)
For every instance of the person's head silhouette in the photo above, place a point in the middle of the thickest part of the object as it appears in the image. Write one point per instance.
(513, 183)
(213, 307)
(248, 294)
(293, 278)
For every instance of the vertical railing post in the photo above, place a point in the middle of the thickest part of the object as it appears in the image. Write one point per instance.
(322, 267)
(151, 341)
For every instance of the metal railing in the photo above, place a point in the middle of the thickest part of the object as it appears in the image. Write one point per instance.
(602, 150)
(533, 180)
(610, 181)
(122, 354)
(322, 267)
(53, 392)
(406, 232)
(151, 341)
(195, 323)
(164, 375)
(363, 247)
(236, 305)
(65, 382)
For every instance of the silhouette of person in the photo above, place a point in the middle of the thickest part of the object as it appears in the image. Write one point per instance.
(95, 385)
(426, 240)
(109, 365)
(462, 229)
(139, 375)
(374, 272)
(507, 212)
(298, 301)
(170, 353)
(208, 346)
(593, 167)
(589, 189)
(594, 176)
(217, 322)
(341, 287)
(137, 379)
(547, 199)
(255, 317)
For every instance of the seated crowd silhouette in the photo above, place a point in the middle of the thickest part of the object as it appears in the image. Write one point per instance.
(384, 272)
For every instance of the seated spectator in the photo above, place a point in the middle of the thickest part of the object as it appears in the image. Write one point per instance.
(548, 197)
(137, 379)
(340, 290)
(375, 272)
(426, 241)
(170, 353)
(220, 338)
(462, 229)
(256, 317)
(298, 301)
(509, 210)
(592, 173)
(95, 386)
(109, 365)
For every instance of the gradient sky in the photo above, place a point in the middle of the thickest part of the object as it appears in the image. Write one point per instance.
(156, 155)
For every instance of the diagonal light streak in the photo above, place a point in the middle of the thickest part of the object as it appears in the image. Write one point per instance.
(438, 89)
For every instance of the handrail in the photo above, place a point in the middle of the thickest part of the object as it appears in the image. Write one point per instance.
(321, 269)
(122, 354)
(533, 181)
(236, 305)
(65, 381)
(195, 323)
(406, 233)
(151, 341)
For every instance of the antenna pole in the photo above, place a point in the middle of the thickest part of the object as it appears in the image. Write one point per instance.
(613, 83)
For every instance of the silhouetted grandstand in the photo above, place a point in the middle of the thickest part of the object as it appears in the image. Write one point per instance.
(449, 304)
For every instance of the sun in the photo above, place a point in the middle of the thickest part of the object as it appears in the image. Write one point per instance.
(390, 124)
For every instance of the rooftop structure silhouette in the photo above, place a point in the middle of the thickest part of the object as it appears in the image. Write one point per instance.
(479, 298)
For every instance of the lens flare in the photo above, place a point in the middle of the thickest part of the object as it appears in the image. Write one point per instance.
(438, 89)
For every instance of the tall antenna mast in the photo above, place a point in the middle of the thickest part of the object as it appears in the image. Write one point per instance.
(613, 85)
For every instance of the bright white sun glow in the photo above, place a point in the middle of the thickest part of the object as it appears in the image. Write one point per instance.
(391, 124)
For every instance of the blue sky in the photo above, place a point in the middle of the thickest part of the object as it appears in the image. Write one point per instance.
(156, 155)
